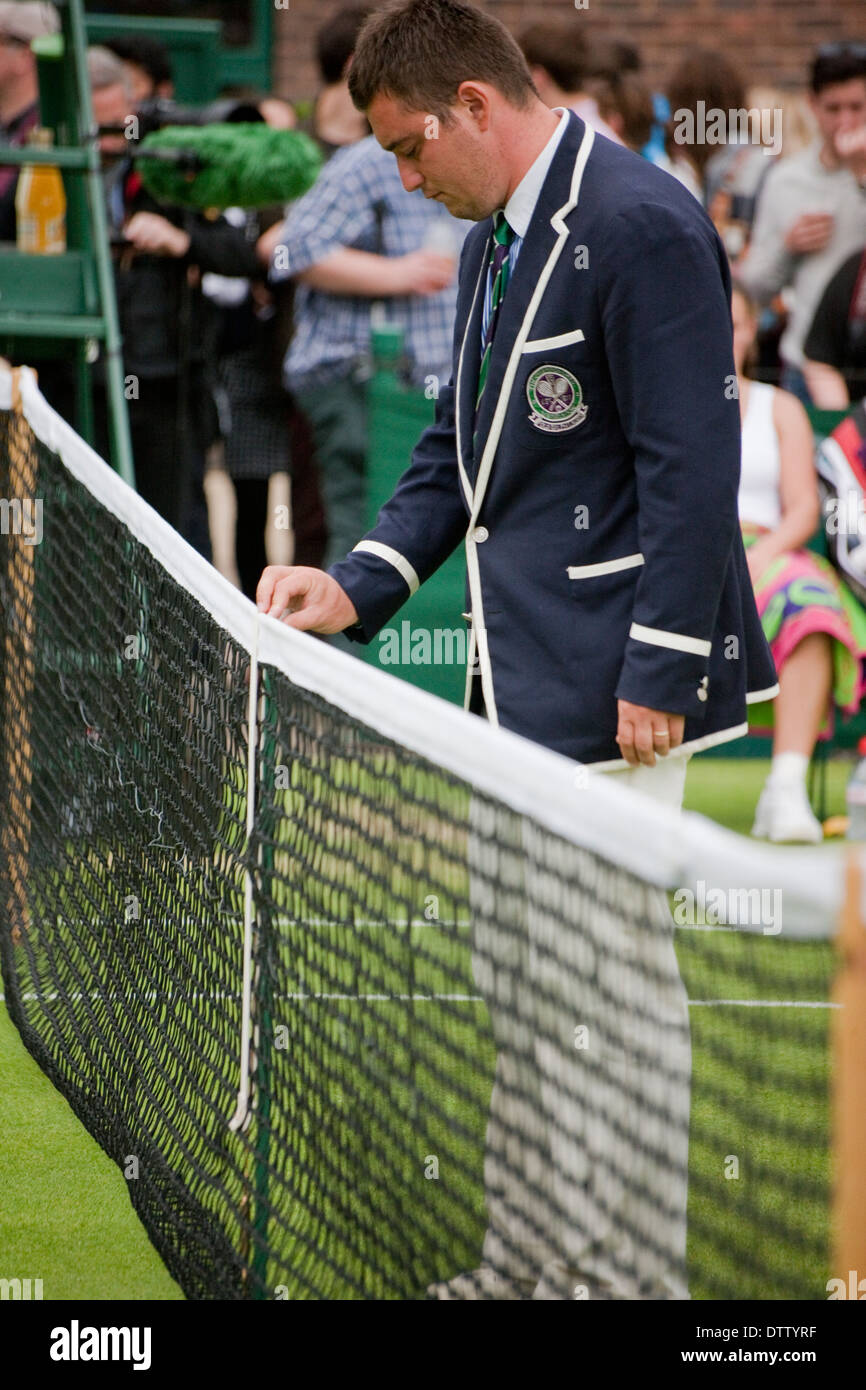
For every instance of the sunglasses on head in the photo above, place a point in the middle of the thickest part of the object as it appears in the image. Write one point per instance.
(842, 49)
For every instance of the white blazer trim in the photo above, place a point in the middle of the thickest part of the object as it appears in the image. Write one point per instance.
(685, 750)
(461, 468)
(548, 344)
(625, 562)
(675, 641)
(487, 457)
(754, 697)
(386, 552)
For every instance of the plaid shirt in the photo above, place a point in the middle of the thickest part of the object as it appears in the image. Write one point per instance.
(359, 202)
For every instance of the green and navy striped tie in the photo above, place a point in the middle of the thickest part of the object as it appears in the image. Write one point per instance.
(503, 236)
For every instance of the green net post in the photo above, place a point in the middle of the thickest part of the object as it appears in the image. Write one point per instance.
(263, 986)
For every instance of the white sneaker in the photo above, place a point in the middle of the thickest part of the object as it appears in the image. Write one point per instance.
(784, 816)
(483, 1283)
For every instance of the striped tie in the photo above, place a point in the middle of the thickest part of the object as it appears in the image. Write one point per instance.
(503, 236)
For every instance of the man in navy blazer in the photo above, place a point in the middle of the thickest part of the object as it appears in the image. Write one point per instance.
(611, 606)
(593, 480)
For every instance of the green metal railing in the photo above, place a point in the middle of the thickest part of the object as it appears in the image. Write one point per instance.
(47, 302)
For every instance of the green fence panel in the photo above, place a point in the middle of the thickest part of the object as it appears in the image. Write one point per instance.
(425, 643)
(194, 45)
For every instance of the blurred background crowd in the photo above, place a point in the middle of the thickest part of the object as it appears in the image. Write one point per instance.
(250, 364)
(247, 334)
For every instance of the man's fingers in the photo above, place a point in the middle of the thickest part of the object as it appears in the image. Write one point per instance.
(643, 743)
(266, 585)
(662, 741)
(625, 739)
(306, 619)
(644, 734)
(278, 587)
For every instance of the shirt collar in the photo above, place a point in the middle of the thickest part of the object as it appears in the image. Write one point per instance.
(521, 204)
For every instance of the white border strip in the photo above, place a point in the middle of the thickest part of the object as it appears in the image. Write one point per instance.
(754, 697)
(675, 641)
(652, 841)
(558, 341)
(387, 552)
(625, 562)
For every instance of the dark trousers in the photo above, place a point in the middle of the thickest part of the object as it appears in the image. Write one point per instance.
(252, 515)
(338, 418)
(168, 451)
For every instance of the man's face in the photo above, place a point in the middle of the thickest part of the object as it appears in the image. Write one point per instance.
(111, 107)
(451, 162)
(840, 107)
(15, 60)
(140, 84)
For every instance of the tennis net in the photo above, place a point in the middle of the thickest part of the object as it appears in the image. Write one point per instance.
(360, 993)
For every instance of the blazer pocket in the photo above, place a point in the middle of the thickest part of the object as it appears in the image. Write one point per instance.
(625, 562)
(561, 340)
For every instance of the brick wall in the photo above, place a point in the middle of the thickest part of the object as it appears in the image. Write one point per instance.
(771, 39)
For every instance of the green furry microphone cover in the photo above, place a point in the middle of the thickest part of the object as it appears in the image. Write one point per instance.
(241, 165)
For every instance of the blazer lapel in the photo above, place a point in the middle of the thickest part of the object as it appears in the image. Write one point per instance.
(538, 244)
(469, 361)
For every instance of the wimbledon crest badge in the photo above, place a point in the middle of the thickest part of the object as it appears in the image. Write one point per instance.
(555, 399)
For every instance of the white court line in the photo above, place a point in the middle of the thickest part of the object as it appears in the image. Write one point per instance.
(472, 999)
(766, 1003)
(384, 998)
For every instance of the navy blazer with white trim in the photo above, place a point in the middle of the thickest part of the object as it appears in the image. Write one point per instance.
(605, 560)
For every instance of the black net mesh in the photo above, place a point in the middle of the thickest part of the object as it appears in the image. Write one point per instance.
(469, 1043)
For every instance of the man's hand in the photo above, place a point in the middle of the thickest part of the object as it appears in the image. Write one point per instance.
(851, 149)
(810, 232)
(149, 232)
(642, 733)
(304, 598)
(420, 272)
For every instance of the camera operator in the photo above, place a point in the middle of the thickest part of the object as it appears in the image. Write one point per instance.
(159, 255)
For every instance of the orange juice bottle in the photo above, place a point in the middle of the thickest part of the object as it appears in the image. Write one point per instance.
(40, 203)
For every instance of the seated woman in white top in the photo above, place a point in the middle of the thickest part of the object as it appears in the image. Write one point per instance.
(814, 625)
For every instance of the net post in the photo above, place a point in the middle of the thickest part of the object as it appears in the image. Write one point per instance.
(264, 1034)
(18, 674)
(849, 1091)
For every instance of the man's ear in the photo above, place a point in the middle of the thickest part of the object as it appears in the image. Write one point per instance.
(475, 98)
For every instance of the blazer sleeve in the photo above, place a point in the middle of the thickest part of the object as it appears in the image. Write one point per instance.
(422, 524)
(665, 305)
(415, 531)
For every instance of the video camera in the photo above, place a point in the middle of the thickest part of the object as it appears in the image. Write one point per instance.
(157, 112)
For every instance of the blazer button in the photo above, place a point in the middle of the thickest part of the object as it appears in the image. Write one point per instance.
(480, 534)
(702, 688)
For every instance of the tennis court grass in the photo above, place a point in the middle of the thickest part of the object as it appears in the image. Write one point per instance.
(65, 1215)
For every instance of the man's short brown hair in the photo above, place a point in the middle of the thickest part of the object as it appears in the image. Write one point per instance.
(419, 52)
(559, 46)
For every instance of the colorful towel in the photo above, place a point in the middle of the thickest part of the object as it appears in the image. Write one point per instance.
(800, 593)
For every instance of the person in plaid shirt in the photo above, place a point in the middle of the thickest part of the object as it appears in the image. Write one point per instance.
(355, 240)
